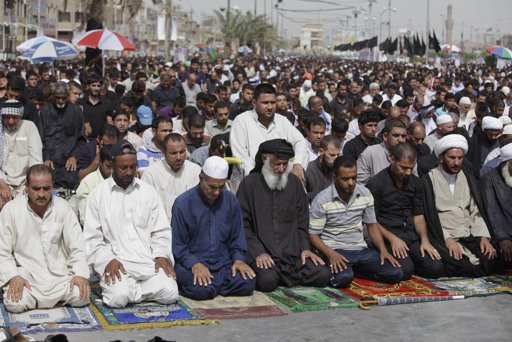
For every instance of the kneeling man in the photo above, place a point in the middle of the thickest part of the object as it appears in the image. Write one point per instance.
(41, 249)
(336, 222)
(127, 236)
(208, 238)
(275, 212)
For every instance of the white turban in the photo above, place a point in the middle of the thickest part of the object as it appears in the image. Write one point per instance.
(465, 100)
(450, 141)
(444, 119)
(505, 90)
(505, 120)
(507, 130)
(506, 153)
(490, 122)
(216, 167)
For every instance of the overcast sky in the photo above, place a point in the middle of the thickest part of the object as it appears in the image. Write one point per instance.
(478, 15)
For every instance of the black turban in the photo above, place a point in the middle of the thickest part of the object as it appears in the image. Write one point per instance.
(281, 148)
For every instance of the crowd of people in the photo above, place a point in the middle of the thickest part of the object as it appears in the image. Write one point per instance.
(221, 177)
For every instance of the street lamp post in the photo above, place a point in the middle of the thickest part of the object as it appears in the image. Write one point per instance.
(389, 10)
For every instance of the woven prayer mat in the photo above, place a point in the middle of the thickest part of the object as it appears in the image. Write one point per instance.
(362, 288)
(299, 299)
(255, 306)
(145, 315)
(61, 319)
(471, 287)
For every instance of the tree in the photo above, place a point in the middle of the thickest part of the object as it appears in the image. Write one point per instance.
(245, 29)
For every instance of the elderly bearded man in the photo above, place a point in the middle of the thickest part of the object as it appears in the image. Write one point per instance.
(275, 212)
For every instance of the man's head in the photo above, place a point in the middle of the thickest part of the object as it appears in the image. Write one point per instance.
(105, 166)
(12, 114)
(402, 161)
(124, 163)
(464, 104)
(418, 102)
(264, 101)
(247, 93)
(339, 128)
(315, 105)
(221, 110)
(444, 124)
(196, 129)
(345, 175)
(32, 79)
(15, 88)
(75, 90)
(450, 150)
(138, 90)
(108, 135)
(272, 161)
(222, 93)
(367, 122)
(175, 151)
(416, 133)
(493, 127)
(281, 102)
(330, 149)
(391, 89)
(94, 85)
(165, 81)
(122, 121)
(161, 127)
(342, 90)
(427, 112)
(61, 94)
(315, 130)
(209, 104)
(213, 178)
(191, 81)
(449, 101)
(38, 186)
(394, 132)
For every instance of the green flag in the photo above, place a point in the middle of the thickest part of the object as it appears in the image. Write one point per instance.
(489, 29)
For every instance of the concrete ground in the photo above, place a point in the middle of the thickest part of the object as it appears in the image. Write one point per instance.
(472, 319)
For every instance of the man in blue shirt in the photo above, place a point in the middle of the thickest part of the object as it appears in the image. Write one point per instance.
(208, 238)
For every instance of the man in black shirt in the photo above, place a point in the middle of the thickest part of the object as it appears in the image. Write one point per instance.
(319, 172)
(97, 109)
(398, 204)
(416, 137)
(164, 94)
(367, 122)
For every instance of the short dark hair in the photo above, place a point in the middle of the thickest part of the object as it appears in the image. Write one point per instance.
(106, 153)
(221, 104)
(158, 120)
(93, 79)
(174, 137)
(403, 150)
(118, 113)
(330, 140)
(366, 116)
(179, 101)
(139, 86)
(345, 162)
(109, 130)
(247, 86)
(449, 96)
(339, 125)
(16, 83)
(210, 98)
(189, 111)
(392, 123)
(263, 88)
(196, 121)
(38, 169)
(314, 120)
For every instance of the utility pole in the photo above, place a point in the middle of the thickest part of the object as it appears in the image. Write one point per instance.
(167, 36)
(428, 32)
(389, 19)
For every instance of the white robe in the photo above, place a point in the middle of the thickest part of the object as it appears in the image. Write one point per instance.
(169, 184)
(46, 251)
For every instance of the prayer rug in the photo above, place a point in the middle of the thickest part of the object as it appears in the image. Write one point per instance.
(59, 319)
(255, 306)
(415, 287)
(145, 315)
(471, 287)
(299, 299)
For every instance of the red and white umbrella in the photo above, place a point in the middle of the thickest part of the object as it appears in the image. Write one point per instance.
(105, 40)
(450, 48)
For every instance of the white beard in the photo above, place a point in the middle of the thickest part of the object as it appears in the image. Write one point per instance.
(506, 175)
(274, 181)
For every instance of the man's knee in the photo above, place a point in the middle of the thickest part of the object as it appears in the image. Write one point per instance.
(342, 279)
(390, 274)
(27, 302)
(167, 295)
(117, 295)
(320, 276)
(75, 299)
(267, 280)
(407, 267)
(198, 292)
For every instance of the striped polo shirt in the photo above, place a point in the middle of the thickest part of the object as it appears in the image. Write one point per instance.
(340, 224)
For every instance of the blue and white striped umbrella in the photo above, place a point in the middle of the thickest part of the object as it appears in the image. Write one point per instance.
(50, 51)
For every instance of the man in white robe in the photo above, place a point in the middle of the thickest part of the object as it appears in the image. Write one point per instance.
(128, 237)
(42, 260)
(173, 175)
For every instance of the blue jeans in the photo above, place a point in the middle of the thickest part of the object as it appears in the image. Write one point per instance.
(365, 263)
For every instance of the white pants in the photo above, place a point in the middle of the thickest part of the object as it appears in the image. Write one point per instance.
(32, 300)
(157, 288)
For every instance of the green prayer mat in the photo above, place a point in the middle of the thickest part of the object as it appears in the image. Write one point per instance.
(299, 299)
(475, 287)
